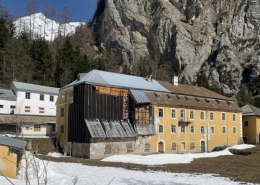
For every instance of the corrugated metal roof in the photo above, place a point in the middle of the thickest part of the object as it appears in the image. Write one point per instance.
(26, 119)
(139, 96)
(35, 88)
(250, 110)
(192, 90)
(7, 94)
(12, 142)
(104, 78)
(192, 102)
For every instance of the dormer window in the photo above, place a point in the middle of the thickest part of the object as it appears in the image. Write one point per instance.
(187, 98)
(198, 100)
(178, 98)
(169, 97)
(218, 101)
(156, 95)
(228, 103)
(206, 100)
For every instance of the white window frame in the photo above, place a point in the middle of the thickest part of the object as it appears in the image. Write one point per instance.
(183, 126)
(233, 117)
(194, 146)
(62, 95)
(193, 129)
(211, 130)
(184, 145)
(162, 129)
(202, 126)
(193, 114)
(181, 111)
(175, 128)
(203, 115)
(175, 113)
(247, 123)
(159, 112)
(233, 129)
(210, 116)
(223, 113)
(225, 130)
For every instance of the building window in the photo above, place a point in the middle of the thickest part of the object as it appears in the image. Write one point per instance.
(12, 106)
(1, 106)
(51, 98)
(41, 97)
(27, 95)
(174, 146)
(192, 129)
(27, 109)
(183, 146)
(183, 129)
(234, 130)
(211, 116)
(182, 114)
(41, 109)
(202, 116)
(192, 145)
(160, 112)
(212, 130)
(161, 129)
(62, 129)
(223, 130)
(246, 123)
(62, 95)
(191, 114)
(71, 93)
(37, 128)
(173, 128)
(223, 116)
(62, 112)
(202, 130)
(173, 113)
(234, 117)
(27, 128)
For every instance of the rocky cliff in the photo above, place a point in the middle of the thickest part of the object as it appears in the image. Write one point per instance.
(219, 37)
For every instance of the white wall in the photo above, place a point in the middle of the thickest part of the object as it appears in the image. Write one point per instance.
(28, 130)
(35, 103)
(6, 109)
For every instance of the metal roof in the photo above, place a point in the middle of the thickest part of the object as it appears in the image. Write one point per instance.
(35, 88)
(139, 96)
(7, 94)
(12, 142)
(250, 110)
(26, 119)
(104, 78)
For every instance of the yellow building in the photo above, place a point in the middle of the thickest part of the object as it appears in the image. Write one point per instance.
(10, 156)
(103, 113)
(251, 124)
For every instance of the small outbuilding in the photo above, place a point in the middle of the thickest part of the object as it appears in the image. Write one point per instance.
(251, 124)
(11, 151)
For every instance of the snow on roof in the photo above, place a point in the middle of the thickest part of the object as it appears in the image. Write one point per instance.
(35, 88)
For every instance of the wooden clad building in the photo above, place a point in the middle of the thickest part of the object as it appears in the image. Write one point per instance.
(104, 113)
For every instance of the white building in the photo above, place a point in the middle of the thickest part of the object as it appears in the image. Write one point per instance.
(32, 106)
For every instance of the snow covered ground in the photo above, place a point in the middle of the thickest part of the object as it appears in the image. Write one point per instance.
(64, 173)
(159, 159)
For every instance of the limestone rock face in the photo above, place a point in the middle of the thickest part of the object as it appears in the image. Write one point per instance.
(222, 38)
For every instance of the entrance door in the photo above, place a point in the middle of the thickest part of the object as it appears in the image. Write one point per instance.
(202, 146)
(160, 147)
(245, 140)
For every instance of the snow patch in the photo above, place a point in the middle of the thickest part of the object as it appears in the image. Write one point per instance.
(160, 159)
(54, 154)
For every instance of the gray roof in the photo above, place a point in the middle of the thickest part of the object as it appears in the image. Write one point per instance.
(139, 96)
(7, 94)
(104, 78)
(250, 110)
(35, 88)
(26, 119)
(12, 142)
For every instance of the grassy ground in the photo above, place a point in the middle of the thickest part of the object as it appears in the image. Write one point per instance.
(237, 167)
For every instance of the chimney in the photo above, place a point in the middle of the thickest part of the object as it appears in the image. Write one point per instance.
(149, 78)
(175, 80)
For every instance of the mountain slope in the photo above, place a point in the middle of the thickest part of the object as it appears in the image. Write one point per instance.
(221, 37)
(42, 27)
